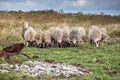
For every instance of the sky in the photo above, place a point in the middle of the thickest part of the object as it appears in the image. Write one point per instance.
(110, 7)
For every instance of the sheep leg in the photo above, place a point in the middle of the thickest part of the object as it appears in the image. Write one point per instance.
(59, 45)
(49, 45)
(45, 45)
(54, 43)
(77, 45)
(68, 44)
(29, 43)
(63, 44)
(91, 41)
(71, 44)
(41, 45)
(33, 43)
(98, 42)
(37, 46)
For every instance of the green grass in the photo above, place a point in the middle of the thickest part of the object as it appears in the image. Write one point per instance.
(85, 55)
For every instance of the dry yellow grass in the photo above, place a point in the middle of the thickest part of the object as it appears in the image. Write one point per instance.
(11, 22)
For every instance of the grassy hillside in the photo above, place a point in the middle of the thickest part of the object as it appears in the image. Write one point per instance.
(11, 22)
(86, 55)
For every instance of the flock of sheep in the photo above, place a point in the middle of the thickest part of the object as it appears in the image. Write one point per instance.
(63, 37)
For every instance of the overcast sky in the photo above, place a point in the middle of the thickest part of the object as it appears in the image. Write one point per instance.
(111, 7)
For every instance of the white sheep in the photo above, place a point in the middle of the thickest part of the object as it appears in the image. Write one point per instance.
(82, 33)
(47, 38)
(39, 38)
(74, 36)
(95, 35)
(105, 35)
(28, 34)
(57, 35)
(65, 39)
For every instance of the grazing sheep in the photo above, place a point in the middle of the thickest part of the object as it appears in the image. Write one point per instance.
(91, 28)
(47, 38)
(57, 35)
(39, 38)
(95, 35)
(28, 34)
(82, 33)
(74, 37)
(65, 39)
(105, 36)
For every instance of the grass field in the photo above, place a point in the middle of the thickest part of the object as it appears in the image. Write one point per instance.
(103, 61)
(107, 68)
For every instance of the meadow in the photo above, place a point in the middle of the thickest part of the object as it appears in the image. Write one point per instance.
(103, 61)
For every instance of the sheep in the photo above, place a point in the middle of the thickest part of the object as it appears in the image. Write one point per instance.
(47, 38)
(95, 35)
(83, 33)
(65, 39)
(74, 36)
(57, 35)
(28, 34)
(91, 28)
(105, 36)
(39, 38)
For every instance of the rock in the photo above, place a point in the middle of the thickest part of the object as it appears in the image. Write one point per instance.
(23, 66)
(5, 66)
(16, 68)
(29, 63)
(11, 67)
(56, 69)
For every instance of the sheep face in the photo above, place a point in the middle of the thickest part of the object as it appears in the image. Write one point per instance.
(74, 42)
(25, 25)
